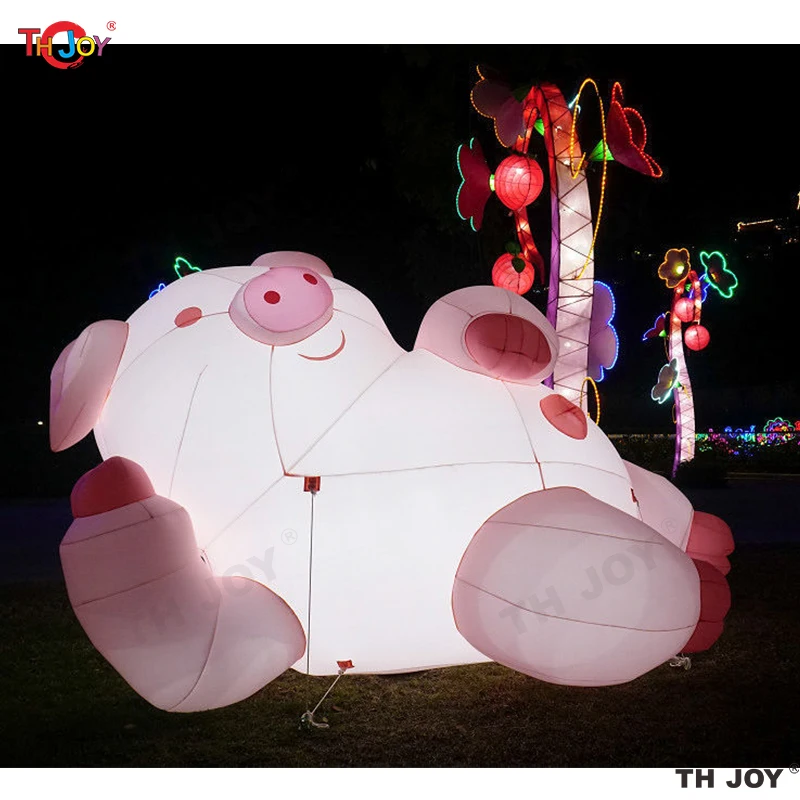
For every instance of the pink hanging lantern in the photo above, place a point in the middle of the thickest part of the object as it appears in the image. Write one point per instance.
(506, 276)
(684, 309)
(697, 337)
(518, 181)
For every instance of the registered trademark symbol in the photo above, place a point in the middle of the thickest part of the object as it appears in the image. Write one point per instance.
(111, 25)
(289, 536)
(794, 769)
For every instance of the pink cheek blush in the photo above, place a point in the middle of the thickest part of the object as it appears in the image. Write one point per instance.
(564, 416)
(188, 317)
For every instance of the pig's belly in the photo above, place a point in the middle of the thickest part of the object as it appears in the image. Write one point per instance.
(368, 563)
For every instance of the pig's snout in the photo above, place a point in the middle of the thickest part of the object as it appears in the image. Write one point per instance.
(283, 306)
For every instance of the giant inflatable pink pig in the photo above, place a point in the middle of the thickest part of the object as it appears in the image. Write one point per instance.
(284, 486)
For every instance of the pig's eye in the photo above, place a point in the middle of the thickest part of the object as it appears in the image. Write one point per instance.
(188, 317)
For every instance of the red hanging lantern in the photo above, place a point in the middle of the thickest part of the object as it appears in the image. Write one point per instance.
(506, 275)
(518, 181)
(684, 309)
(696, 337)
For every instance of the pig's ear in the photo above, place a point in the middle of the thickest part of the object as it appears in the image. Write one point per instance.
(490, 331)
(81, 380)
(293, 258)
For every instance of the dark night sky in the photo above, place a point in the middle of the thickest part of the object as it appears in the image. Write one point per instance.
(222, 153)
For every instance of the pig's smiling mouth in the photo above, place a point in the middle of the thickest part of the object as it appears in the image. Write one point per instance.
(330, 355)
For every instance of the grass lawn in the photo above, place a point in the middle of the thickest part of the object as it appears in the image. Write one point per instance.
(61, 704)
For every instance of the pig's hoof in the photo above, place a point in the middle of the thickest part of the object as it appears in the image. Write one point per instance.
(115, 483)
(710, 540)
(715, 602)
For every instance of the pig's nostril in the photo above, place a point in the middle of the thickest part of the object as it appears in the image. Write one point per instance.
(283, 305)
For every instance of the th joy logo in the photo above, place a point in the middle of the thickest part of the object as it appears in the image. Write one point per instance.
(69, 55)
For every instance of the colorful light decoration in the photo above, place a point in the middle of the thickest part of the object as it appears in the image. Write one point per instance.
(717, 275)
(684, 309)
(667, 380)
(517, 181)
(675, 267)
(182, 268)
(688, 295)
(603, 338)
(658, 329)
(189, 561)
(516, 115)
(697, 337)
(513, 272)
(627, 136)
(777, 433)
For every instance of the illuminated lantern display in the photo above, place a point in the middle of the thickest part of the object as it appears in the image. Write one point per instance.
(684, 309)
(696, 337)
(250, 416)
(689, 292)
(518, 181)
(506, 274)
(519, 120)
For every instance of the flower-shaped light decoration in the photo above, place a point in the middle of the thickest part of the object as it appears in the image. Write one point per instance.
(667, 379)
(603, 339)
(717, 274)
(159, 288)
(627, 136)
(659, 329)
(493, 98)
(517, 181)
(675, 266)
(474, 190)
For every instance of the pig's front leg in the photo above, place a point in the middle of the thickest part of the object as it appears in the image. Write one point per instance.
(183, 638)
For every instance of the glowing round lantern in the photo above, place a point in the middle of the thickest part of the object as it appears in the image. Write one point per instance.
(506, 275)
(518, 181)
(697, 337)
(684, 309)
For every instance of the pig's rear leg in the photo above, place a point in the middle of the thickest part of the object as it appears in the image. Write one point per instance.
(183, 638)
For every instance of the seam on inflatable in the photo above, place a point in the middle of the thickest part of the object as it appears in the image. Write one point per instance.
(339, 418)
(580, 621)
(272, 409)
(131, 588)
(211, 274)
(163, 335)
(366, 322)
(205, 663)
(243, 512)
(122, 527)
(427, 466)
(572, 530)
(183, 432)
(74, 423)
(527, 433)
(589, 466)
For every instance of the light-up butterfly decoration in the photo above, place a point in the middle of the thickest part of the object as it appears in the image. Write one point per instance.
(182, 268)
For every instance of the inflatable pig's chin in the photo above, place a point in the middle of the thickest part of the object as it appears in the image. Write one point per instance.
(284, 486)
